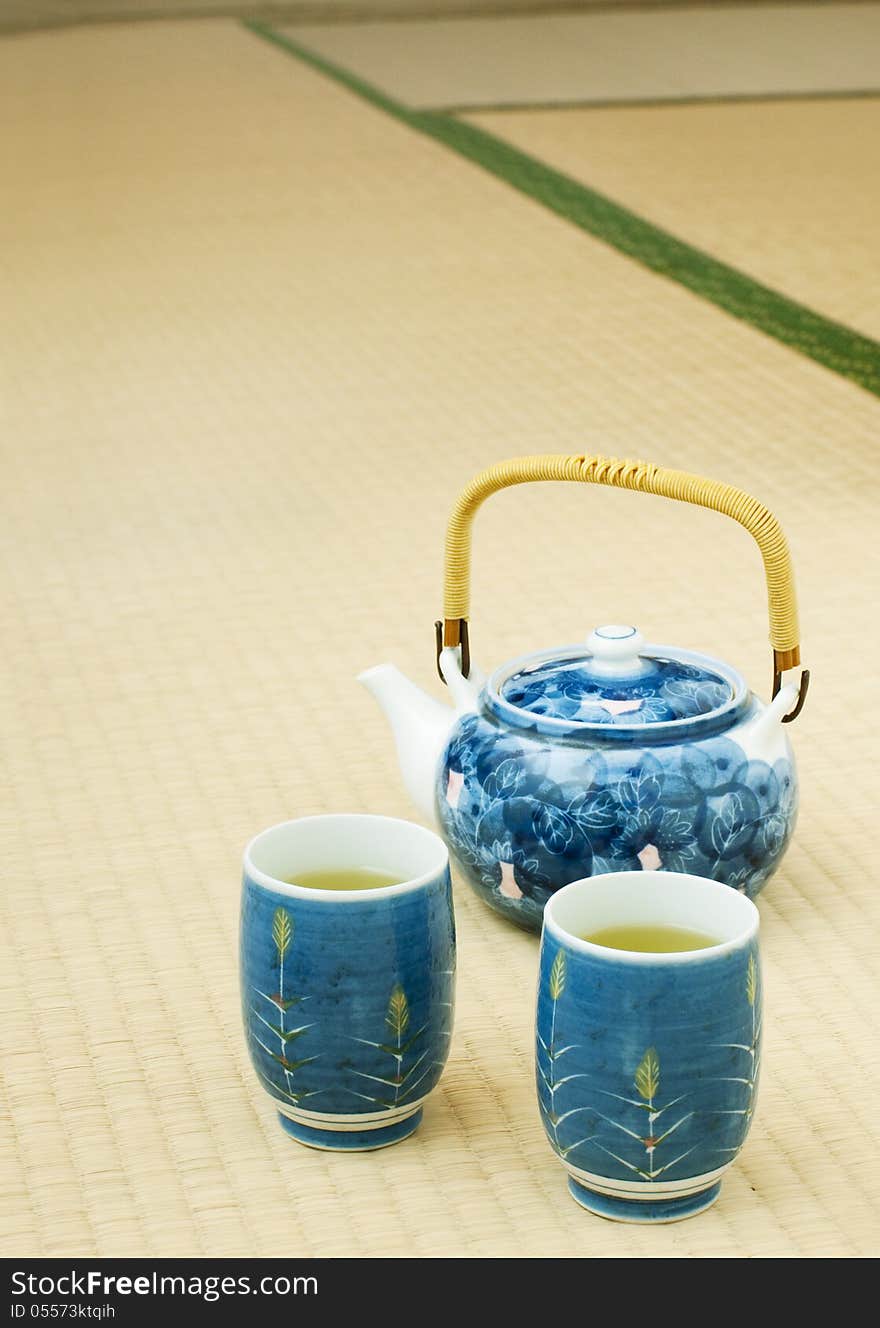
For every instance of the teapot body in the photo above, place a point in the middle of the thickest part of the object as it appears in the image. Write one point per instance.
(525, 811)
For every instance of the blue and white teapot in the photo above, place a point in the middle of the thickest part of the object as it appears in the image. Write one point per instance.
(613, 755)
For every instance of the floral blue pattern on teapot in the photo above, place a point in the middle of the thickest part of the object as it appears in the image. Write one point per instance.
(581, 761)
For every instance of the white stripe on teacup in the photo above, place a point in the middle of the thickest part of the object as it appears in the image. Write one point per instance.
(369, 1120)
(646, 1190)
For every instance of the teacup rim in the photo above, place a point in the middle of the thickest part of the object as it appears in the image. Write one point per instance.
(743, 938)
(293, 891)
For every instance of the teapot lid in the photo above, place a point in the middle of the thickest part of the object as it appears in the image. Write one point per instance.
(616, 682)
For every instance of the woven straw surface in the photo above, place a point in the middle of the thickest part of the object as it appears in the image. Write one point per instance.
(261, 336)
(782, 191)
(37, 13)
(711, 50)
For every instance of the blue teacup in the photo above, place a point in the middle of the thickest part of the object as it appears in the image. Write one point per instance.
(647, 1063)
(347, 995)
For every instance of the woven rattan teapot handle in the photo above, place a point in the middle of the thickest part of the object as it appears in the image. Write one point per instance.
(645, 478)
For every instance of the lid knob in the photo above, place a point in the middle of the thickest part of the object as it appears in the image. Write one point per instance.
(615, 652)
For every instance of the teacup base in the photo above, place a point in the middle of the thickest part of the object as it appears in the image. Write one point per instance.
(646, 1211)
(351, 1140)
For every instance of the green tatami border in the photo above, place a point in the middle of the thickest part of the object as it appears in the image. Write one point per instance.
(829, 343)
(650, 103)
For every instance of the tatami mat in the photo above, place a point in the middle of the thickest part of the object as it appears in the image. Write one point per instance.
(709, 51)
(24, 14)
(786, 192)
(262, 333)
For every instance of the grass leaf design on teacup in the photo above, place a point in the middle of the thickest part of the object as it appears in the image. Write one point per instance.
(557, 976)
(282, 932)
(751, 1048)
(647, 1076)
(549, 1081)
(647, 1084)
(282, 939)
(397, 1017)
(409, 1064)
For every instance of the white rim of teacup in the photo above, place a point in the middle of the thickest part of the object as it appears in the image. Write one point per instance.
(664, 898)
(422, 844)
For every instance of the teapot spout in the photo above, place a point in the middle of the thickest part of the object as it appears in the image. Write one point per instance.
(420, 726)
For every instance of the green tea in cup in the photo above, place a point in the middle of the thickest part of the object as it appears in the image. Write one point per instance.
(344, 878)
(651, 938)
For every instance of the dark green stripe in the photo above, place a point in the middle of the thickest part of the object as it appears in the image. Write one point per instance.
(831, 344)
(637, 103)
